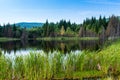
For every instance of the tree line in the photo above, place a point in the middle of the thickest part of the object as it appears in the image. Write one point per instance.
(62, 28)
(89, 28)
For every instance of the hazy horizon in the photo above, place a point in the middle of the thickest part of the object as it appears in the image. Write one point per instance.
(14, 11)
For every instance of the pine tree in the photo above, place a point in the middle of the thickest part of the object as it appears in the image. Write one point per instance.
(24, 34)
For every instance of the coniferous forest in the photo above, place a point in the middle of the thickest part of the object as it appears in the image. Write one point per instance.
(101, 27)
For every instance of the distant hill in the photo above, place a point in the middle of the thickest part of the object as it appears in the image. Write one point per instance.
(29, 24)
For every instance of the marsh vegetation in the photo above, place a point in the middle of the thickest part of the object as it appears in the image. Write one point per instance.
(55, 65)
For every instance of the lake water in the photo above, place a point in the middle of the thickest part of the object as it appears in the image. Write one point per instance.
(24, 47)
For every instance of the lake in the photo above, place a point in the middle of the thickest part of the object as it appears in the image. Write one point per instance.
(24, 47)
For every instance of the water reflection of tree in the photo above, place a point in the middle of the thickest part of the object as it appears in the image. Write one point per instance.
(9, 46)
(89, 44)
(24, 43)
(46, 46)
(62, 45)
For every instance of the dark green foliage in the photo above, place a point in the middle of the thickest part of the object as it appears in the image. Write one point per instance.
(1, 30)
(92, 28)
(11, 31)
(54, 29)
(24, 34)
(95, 24)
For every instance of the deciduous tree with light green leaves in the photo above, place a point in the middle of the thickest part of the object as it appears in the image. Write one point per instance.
(62, 31)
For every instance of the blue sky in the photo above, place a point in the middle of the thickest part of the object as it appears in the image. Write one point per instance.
(14, 11)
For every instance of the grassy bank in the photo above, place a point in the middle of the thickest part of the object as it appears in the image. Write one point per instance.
(67, 38)
(4, 39)
(41, 65)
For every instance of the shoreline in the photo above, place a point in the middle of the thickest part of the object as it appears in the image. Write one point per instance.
(5, 39)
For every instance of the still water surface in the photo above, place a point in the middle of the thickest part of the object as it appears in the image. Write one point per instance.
(24, 47)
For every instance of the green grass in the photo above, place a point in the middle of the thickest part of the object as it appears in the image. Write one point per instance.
(67, 38)
(4, 39)
(41, 65)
